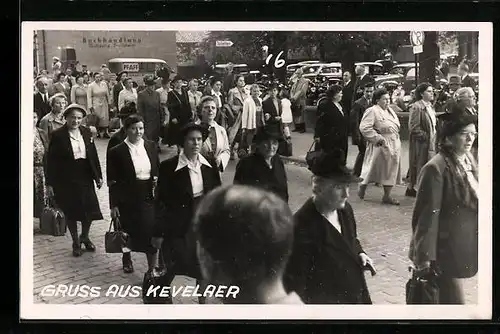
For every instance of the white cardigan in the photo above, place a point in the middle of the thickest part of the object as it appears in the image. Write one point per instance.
(249, 114)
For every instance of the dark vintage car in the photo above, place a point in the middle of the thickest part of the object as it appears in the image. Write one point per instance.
(404, 74)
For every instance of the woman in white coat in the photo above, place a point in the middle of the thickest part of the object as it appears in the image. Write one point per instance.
(382, 163)
(252, 116)
(216, 145)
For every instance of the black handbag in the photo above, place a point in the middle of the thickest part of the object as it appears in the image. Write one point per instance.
(285, 148)
(52, 220)
(115, 241)
(422, 287)
(154, 281)
(311, 155)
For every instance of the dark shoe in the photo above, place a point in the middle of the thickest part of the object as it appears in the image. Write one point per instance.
(128, 267)
(296, 128)
(77, 250)
(89, 246)
(411, 193)
(302, 128)
(361, 192)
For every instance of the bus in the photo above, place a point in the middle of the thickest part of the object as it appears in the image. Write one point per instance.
(137, 68)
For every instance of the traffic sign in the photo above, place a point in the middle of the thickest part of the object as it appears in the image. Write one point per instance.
(223, 44)
(417, 38)
(418, 49)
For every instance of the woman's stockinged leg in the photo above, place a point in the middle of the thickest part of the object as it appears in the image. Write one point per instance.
(85, 236)
(73, 230)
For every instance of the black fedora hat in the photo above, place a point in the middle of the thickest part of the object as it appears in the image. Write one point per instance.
(453, 122)
(127, 110)
(331, 164)
(192, 127)
(149, 80)
(264, 133)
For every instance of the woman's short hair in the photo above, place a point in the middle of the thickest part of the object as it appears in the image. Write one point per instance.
(192, 81)
(131, 120)
(79, 75)
(59, 75)
(421, 88)
(463, 93)
(246, 231)
(236, 78)
(333, 90)
(377, 94)
(214, 80)
(207, 98)
(254, 86)
(53, 98)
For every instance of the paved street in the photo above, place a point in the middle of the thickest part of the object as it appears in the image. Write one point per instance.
(384, 232)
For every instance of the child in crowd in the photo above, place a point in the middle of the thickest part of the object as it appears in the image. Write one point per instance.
(286, 115)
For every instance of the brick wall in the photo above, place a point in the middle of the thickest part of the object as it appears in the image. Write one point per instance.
(94, 48)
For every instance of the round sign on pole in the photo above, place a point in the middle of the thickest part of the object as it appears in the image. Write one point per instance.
(417, 38)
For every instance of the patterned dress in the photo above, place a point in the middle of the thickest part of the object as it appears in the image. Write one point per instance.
(98, 97)
(38, 176)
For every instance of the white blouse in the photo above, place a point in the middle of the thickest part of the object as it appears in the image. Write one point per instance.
(194, 172)
(77, 145)
(140, 159)
(333, 218)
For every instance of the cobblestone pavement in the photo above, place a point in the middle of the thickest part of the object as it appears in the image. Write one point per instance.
(384, 232)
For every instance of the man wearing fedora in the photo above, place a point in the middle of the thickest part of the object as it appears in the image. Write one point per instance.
(149, 107)
(327, 263)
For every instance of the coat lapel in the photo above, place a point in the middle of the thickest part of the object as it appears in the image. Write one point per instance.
(152, 158)
(127, 160)
(206, 173)
(184, 180)
(337, 240)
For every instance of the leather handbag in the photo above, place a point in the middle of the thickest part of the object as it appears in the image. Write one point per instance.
(285, 147)
(311, 155)
(422, 287)
(154, 278)
(115, 241)
(52, 220)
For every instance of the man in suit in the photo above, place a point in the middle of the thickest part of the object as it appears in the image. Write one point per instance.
(362, 80)
(358, 110)
(182, 182)
(41, 98)
(327, 262)
(466, 80)
(347, 92)
(120, 84)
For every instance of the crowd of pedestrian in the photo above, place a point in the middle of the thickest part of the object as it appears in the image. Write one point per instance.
(245, 234)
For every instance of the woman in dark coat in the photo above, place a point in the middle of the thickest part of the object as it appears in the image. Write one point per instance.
(332, 127)
(182, 182)
(132, 171)
(264, 168)
(72, 168)
(445, 217)
(422, 127)
(179, 108)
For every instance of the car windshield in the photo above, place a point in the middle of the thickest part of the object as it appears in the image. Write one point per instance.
(311, 69)
(400, 70)
(331, 70)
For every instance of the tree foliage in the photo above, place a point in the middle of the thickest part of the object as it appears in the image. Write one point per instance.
(346, 47)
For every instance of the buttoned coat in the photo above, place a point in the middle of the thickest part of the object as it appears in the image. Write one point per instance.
(444, 230)
(422, 139)
(325, 267)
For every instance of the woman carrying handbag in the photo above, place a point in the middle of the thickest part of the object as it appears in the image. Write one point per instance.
(132, 171)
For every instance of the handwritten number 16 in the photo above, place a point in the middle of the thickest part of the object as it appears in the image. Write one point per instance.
(278, 62)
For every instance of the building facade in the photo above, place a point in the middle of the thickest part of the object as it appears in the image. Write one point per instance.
(94, 48)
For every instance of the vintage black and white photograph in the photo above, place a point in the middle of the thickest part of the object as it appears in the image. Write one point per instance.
(266, 170)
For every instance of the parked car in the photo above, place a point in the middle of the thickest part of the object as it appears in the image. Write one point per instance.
(375, 69)
(405, 74)
(290, 69)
